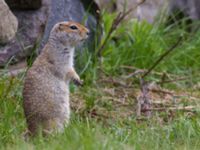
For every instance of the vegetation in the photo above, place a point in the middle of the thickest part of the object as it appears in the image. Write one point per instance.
(104, 109)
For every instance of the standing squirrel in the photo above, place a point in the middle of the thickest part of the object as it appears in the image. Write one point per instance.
(46, 87)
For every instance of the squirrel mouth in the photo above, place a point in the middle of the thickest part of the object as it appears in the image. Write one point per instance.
(85, 38)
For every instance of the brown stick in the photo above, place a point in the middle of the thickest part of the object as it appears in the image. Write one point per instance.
(162, 57)
(186, 108)
(173, 80)
(145, 70)
(115, 82)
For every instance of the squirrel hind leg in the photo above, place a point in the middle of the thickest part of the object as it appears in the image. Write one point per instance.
(37, 127)
(52, 126)
(44, 128)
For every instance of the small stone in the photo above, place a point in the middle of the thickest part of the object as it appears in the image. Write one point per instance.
(8, 23)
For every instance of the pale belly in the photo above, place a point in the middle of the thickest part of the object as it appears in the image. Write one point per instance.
(62, 101)
(57, 103)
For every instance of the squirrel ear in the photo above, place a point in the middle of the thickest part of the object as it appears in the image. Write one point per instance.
(61, 27)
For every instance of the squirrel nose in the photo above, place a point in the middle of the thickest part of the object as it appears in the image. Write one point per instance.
(88, 33)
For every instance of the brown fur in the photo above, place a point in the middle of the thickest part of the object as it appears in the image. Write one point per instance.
(46, 87)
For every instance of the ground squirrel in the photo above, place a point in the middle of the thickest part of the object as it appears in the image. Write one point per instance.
(46, 87)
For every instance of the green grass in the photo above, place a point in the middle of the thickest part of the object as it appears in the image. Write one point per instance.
(136, 44)
(88, 133)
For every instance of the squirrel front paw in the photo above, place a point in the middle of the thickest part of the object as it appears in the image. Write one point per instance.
(77, 81)
(74, 77)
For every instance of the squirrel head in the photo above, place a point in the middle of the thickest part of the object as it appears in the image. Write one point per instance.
(69, 33)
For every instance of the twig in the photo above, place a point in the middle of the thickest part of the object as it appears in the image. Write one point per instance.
(162, 57)
(116, 100)
(118, 19)
(144, 101)
(13, 73)
(14, 70)
(145, 70)
(116, 83)
(186, 108)
(161, 102)
(137, 72)
(162, 91)
(173, 80)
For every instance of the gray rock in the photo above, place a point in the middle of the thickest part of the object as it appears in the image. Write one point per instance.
(8, 23)
(34, 26)
(24, 4)
(147, 11)
(31, 28)
(66, 10)
(152, 8)
(190, 8)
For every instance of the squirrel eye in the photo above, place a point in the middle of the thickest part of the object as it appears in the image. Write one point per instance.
(73, 27)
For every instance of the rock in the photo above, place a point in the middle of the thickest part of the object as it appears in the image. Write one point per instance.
(65, 10)
(8, 23)
(35, 25)
(24, 4)
(190, 8)
(147, 11)
(30, 30)
(152, 8)
(108, 5)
